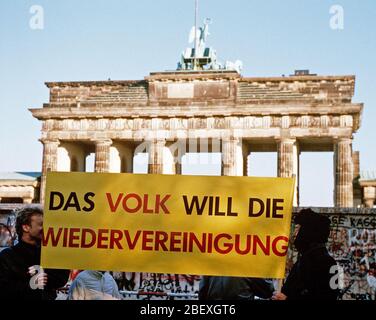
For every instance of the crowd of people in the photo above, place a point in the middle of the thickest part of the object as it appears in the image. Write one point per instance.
(21, 276)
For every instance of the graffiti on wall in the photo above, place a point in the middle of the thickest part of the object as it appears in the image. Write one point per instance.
(7, 230)
(157, 283)
(352, 243)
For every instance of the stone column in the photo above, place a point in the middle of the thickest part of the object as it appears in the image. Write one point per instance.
(343, 174)
(156, 150)
(357, 189)
(232, 157)
(178, 166)
(102, 155)
(172, 158)
(49, 163)
(288, 163)
(369, 196)
(245, 152)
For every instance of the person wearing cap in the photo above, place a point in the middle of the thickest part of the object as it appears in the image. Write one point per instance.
(310, 277)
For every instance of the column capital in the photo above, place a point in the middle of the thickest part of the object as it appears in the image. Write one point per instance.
(156, 141)
(102, 142)
(159, 141)
(343, 140)
(50, 141)
(290, 140)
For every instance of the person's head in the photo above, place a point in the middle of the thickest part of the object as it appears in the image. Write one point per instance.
(310, 228)
(29, 224)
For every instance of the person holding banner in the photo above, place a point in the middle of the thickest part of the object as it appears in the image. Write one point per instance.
(21, 276)
(310, 277)
(234, 288)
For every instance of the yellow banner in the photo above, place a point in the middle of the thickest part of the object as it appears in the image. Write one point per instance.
(204, 225)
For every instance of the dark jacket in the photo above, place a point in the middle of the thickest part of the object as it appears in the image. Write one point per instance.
(14, 277)
(309, 278)
(234, 288)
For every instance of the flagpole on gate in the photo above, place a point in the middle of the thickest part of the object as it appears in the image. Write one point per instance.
(196, 40)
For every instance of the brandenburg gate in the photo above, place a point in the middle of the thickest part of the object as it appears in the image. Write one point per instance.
(170, 113)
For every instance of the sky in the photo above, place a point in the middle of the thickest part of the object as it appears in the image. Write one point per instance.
(121, 39)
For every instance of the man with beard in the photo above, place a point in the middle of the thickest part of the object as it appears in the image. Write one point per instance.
(20, 276)
(309, 278)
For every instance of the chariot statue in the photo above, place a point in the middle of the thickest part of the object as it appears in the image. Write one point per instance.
(202, 57)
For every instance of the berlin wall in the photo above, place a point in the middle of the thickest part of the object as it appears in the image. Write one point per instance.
(352, 243)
